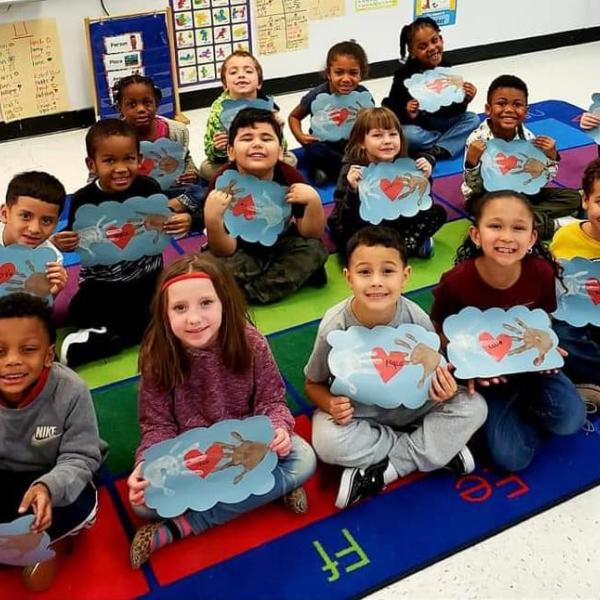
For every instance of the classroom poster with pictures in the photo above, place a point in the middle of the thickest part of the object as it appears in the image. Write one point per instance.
(443, 12)
(206, 32)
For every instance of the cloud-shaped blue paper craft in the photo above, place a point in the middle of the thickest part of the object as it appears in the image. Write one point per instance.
(578, 300)
(516, 165)
(116, 231)
(384, 366)
(496, 342)
(333, 115)
(163, 160)
(389, 190)
(23, 269)
(595, 108)
(20, 547)
(258, 211)
(232, 107)
(436, 88)
(226, 462)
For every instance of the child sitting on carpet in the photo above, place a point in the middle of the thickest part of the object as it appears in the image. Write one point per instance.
(49, 444)
(201, 362)
(582, 238)
(374, 444)
(502, 263)
(268, 273)
(377, 137)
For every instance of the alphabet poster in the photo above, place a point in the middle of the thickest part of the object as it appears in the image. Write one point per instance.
(23, 269)
(388, 190)
(333, 115)
(226, 462)
(206, 33)
(116, 231)
(385, 366)
(578, 296)
(435, 88)
(163, 160)
(496, 342)
(20, 547)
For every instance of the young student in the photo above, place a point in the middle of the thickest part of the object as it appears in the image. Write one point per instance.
(34, 201)
(377, 137)
(378, 445)
(111, 307)
(506, 111)
(202, 362)
(268, 273)
(582, 238)
(502, 263)
(138, 98)
(242, 78)
(441, 134)
(346, 67)
(49, 444)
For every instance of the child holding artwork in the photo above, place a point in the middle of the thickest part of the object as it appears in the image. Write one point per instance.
(34, 201)
(138, 98)
(442, 134)
(49, 444)
(374, 444)
(111, 307)
(268, 273)
(242, 79)
(506, 111)
(502, 263)
(582, 238)
(202, 362)
(377, 137)
(590, 120)
(346, 66)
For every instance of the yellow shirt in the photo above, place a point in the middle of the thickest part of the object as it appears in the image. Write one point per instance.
(571, 241)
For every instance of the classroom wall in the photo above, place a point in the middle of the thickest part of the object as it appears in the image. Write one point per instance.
(478, 22)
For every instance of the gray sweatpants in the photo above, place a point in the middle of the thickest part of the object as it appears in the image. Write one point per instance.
(432, 436)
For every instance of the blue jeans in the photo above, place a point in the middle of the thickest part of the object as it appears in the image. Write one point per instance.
(449, 133)
(194, 195)
(325, 156)
(583, 345)
(523, 409)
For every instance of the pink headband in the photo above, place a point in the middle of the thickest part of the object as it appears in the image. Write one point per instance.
(183, 277)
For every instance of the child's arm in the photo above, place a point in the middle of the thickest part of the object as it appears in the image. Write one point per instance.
(295, 122)
(470, 92)
(312, 223)
(339, 407)
(215, 137)
(219, 241)
(37, 497)
(57, 277)
(589, 120)
(547, 145)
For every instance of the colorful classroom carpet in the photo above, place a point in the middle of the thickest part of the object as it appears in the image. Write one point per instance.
(326, 553)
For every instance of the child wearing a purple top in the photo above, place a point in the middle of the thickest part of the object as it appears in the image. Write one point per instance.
(202, 362)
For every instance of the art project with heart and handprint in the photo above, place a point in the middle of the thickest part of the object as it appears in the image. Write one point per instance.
(258, 211)
(20, 547)
(226, 462)
(163, 160)
(384, 366)
(388, 190)
(232, 107)
(435, 88)
(116, 231)
(496, 342)
(578, 295)
(595, 109)
(333, 115)
(23, 269)
(516, 165)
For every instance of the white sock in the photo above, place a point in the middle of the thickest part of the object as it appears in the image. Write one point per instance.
(389, 474)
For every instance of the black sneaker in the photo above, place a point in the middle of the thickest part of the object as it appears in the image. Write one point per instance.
(358, 483)
(320, 177)
(87, 345)
(463, 463)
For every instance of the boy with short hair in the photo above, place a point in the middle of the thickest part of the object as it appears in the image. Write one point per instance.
(506, 110)
(111, 307)
(371, 442)
(268, 273)
(49, 443)
(34, 201)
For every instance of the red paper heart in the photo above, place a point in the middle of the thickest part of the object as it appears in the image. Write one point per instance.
(592, 287)
(388, 364)
(7, 270)
(497, 347)
(505, 162)
(340, 115)
(146, 166)
(392, 188)
(436, 85)
(120, 236)
(203, 463)
(244, 206)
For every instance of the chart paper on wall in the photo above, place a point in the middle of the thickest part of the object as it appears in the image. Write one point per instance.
(282, 25)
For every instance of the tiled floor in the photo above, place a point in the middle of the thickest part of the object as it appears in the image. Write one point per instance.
(553, 555)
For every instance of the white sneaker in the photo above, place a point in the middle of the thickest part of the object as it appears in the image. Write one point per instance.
(562, 221)
(86, 345)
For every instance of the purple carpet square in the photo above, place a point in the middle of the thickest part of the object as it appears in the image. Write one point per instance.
(572, 164)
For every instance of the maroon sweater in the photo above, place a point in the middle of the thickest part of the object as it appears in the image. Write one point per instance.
(213, 393)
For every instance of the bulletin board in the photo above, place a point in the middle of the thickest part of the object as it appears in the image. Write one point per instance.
(124, 45)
